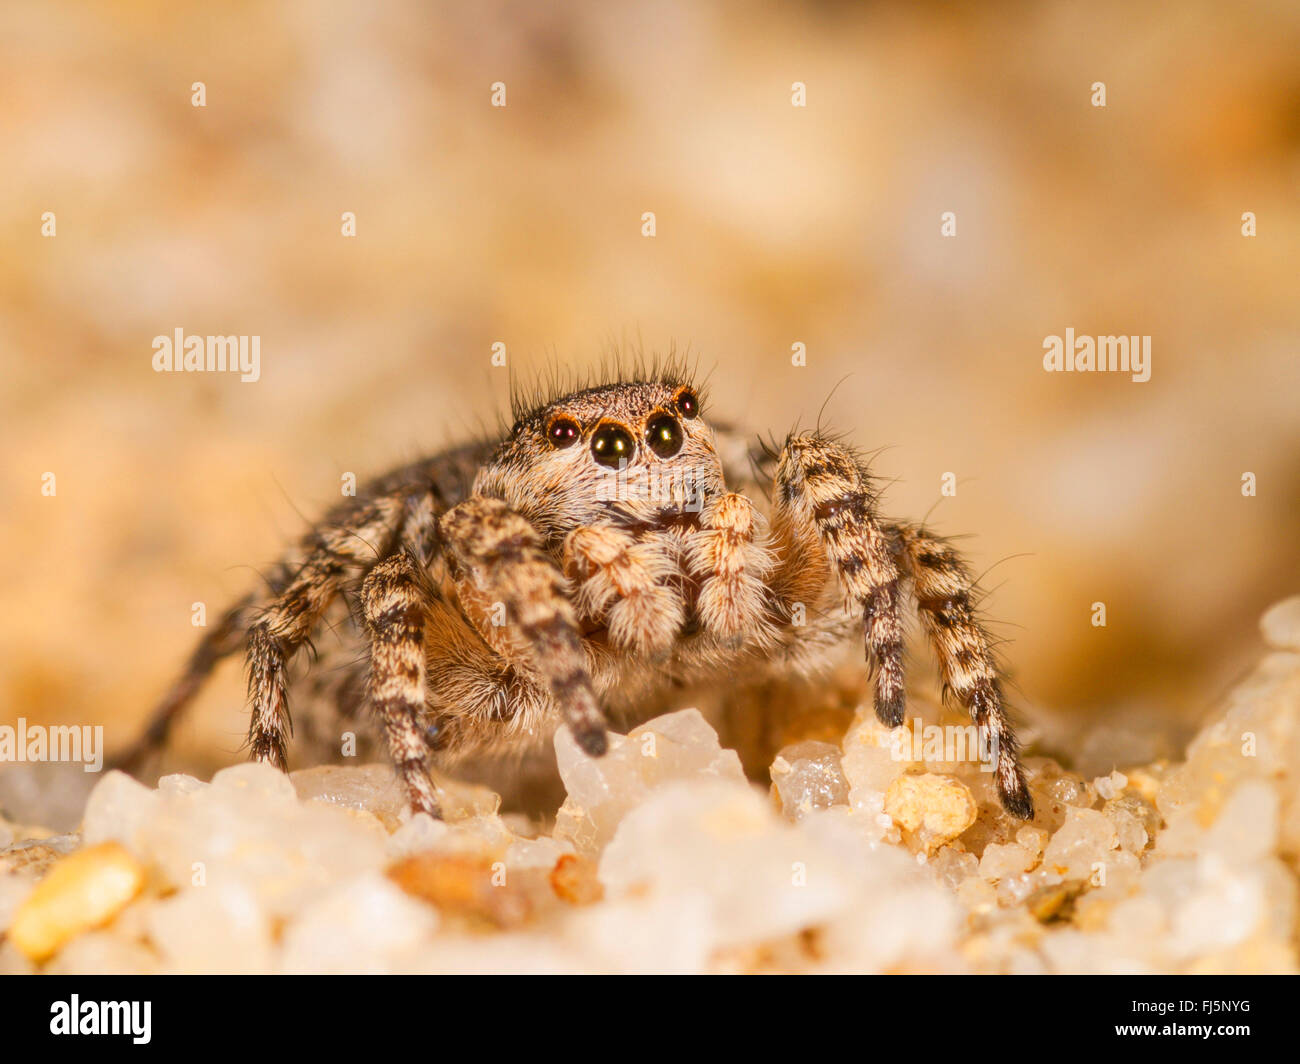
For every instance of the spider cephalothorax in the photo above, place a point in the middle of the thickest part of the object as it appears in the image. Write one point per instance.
(603, 546)
(586, 457)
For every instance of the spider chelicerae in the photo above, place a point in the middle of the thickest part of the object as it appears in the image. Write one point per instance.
(611, 542)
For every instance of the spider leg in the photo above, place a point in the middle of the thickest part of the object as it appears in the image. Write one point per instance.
(284, 626)
(626, 585)
(826, 507)
(500, 554)
(395, 605)
(945, 594)
(732, 567)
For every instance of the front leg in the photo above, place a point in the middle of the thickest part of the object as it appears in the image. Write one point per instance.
(628, 586)
(727, 557)
(825, 515)
(500, 554)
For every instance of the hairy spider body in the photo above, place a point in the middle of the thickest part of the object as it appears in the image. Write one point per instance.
(602, 548)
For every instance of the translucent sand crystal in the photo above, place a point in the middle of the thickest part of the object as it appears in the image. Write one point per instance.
(808, 776)
(678, 746)
(1003, 860)
(721, 842)
(364, 923)
(211, 930)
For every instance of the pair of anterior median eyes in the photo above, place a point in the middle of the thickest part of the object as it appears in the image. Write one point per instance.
(612, 444)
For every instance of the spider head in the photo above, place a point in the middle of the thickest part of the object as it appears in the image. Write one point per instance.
(629, 451)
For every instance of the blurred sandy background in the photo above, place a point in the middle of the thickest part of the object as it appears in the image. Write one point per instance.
(776, 224)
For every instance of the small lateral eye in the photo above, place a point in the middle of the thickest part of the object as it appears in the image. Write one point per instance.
(688, 404)
(664, 435)
(563, 432)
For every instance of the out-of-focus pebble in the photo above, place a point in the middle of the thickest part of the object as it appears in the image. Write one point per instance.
(84, 890)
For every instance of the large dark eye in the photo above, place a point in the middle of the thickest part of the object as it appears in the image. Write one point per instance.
(664, 436)
(688, 404)
(563, 432)
(612, 445)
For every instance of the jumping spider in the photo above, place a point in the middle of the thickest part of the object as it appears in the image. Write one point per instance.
(505, 587)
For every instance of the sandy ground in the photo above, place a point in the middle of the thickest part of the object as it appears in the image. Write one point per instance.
(883, 852)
